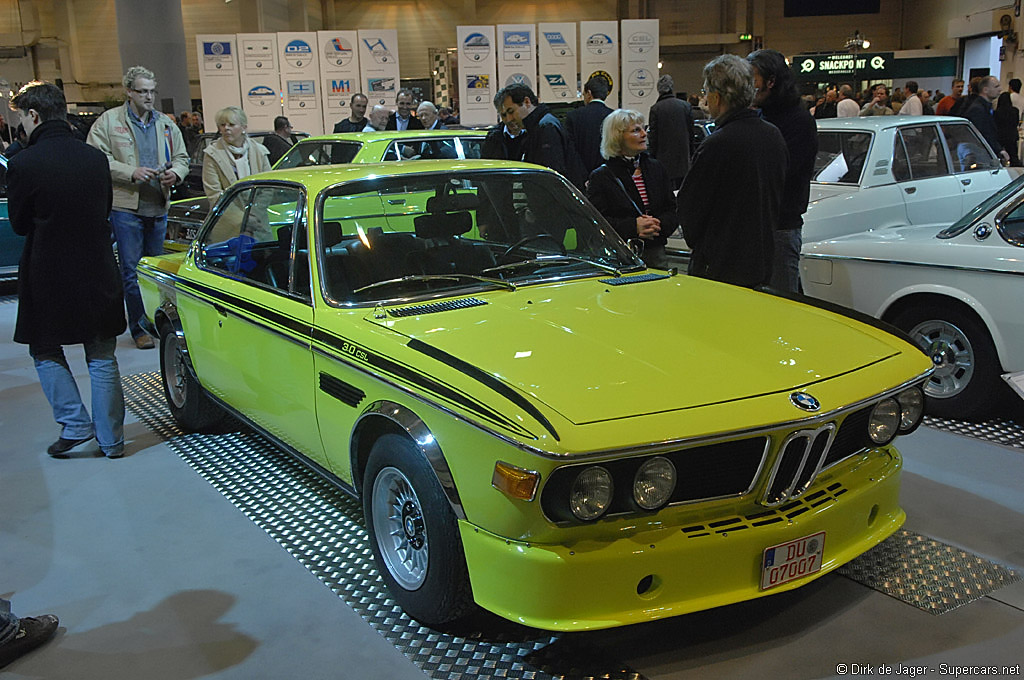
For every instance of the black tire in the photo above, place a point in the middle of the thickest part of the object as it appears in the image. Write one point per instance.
(420, 556)
(190, 406)
(966, 381)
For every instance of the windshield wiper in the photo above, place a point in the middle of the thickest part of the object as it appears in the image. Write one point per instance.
(508, 285)
(555, 259)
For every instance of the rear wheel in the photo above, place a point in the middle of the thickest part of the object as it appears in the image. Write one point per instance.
(965, 383)
(188, 402)
(414, 534)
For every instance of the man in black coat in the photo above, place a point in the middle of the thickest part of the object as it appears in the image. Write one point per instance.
(671, 129)
(729, 203)
(546, 141)
(584, 124)
(403, 118)
(356, 120)
(69, 286)
(280, 141)
(979, 112)
(779, 100)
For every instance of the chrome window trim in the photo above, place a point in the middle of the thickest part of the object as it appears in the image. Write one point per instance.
(906, 263)
(1001, 217)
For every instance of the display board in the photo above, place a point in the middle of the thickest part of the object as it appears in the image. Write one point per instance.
(339, 74)
(639, 64)
(477, 75)
(517, 55)
(260, 79)
(218, 75)
(599, 54)
(300, 72)
(557, 58)
(378, 64)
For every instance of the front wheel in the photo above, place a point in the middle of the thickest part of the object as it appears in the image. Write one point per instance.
(965, 383)
(414, 534)
(188, 402)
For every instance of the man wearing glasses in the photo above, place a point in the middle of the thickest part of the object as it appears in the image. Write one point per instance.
(147, 157)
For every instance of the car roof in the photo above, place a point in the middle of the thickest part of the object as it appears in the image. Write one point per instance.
(388, 135)
(876, 123)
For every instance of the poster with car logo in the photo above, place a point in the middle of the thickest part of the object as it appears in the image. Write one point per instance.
(517, 55)
(556, 57)
(300, 76)
(339, 74)
(259, 78)
(599, 52)
(218, 74)
(478, 77)
(378, 65)
(639, 48)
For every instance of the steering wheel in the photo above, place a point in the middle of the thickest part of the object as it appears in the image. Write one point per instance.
(533, 237)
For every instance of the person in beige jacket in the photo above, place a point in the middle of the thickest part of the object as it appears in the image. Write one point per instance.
(147, 156)
(233, 156)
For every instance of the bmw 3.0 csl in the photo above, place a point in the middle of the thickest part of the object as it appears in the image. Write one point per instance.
(536, 424)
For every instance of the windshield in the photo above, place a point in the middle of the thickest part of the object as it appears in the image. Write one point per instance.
(318, 153)
(434, 233)
(982, 209)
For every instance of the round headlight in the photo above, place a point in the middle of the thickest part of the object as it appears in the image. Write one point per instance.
(654, 483)
(911, 408)
(884, 422)
(591, 493)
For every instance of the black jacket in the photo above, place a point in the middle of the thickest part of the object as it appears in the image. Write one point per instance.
(584, 128)
(801, 134)
(499, 146)
(612, 191)
(671, 130)
(548, 144)
(347, 125)
(277, 146)
(414, 123)
(980, 113)
(729, 202)
(59, 197)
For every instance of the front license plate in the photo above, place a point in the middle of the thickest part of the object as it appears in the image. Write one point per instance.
(789, 561)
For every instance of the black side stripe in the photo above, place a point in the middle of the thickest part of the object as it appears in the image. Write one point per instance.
(485, 378)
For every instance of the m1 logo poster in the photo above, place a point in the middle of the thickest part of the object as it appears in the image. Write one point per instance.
(517, 55)
(300, 76)
(557, 56)
(259, 78)
(218, 75)
(477, 75)
(639, 48)
(339, 74)
(599, 54)
(378, 63)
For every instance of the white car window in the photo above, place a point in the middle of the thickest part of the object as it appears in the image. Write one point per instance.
(967, 149)
(841, 156)
(924, 154)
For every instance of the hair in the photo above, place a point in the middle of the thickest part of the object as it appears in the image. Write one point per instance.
(517, 92)
(911, 86)
(846, 91)
(733, 78)
(185, 116)
(614, 126)
(771, 64)
(958, 80)
(1004, 100)
(45, 98)
(280, 123)
(974, 87)
(666, 85)
(878, 85)
(404, 91)
(598, 87)
(1014, 84)
(231, 114)
(426, 106)
(135, 72)
(444, 110)
(358, 94)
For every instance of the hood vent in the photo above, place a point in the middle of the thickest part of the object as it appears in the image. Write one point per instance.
(642, 278)
(434, 307)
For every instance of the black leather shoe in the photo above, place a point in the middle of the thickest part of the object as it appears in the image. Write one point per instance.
(32, 632)
(59, 448)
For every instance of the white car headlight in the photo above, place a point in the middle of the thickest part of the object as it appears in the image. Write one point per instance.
(911, 408)
(654, 483)
(591, 493)
(884, 421)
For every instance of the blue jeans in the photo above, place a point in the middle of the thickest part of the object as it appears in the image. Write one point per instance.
(136, 236)
(786, 263)
(107, 422)
(8, 622)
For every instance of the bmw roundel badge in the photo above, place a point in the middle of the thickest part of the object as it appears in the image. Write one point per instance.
(804, 401)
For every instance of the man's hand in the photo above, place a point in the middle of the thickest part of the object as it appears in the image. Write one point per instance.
(143, 174)
(647, 227)
(169, 178)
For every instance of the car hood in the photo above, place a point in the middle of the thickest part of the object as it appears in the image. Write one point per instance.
(593, 351)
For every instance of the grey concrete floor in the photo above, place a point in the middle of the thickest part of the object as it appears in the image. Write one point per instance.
(155, 575)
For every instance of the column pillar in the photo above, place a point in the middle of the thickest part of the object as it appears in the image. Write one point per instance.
(151, 33)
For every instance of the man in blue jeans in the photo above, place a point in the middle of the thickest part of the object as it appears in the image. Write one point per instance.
(20, 636)
(147, 157)
(69, 289)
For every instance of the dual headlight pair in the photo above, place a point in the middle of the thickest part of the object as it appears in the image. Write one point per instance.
(896, 415)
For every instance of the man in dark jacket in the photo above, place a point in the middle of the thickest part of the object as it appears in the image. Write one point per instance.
(780, 104)
(584, 124)
(69, 287)
(546, 141)
(280, 140)
(729, 202)
(671, 130)
(979, 112)
(402, 119)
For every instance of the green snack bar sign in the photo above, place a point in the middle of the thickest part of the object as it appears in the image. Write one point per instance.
(829, 66)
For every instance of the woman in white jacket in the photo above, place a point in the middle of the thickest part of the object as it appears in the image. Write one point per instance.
(233, 156)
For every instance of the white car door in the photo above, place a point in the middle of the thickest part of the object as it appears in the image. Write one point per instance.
(930, 191)
(977, 169)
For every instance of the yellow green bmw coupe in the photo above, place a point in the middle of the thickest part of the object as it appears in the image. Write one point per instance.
(536, 424)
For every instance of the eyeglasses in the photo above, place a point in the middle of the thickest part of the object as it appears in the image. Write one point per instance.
(144, 93)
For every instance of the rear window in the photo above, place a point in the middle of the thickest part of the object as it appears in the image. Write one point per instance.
(305, 154)
(841, 156)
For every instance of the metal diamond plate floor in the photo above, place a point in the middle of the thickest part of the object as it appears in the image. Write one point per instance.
(998, 430)
(322, 528)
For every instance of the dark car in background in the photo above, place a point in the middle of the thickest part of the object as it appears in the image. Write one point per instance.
(11, 244)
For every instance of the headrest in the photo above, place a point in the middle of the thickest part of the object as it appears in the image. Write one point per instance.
(438, 204)
(332, 233)
(443, 225)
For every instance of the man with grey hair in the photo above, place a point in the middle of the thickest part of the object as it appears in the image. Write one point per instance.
(426, 112)
(730, 201)
(847, 107)
(147, 157)
(671, 129)
(378, 119)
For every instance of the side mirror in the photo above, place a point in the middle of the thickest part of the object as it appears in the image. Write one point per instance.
(636, 245)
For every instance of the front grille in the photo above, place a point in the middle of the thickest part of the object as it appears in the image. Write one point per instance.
(802, 457)
(851, 438)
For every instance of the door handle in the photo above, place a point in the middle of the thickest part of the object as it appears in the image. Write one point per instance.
(396, 201)
(221, 310)
(910, 190)
(965, 182)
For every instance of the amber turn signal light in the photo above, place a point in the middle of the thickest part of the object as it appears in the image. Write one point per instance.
(515, 482)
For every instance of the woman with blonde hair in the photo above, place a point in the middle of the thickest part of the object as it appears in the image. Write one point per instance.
(631, 189)
(233, 155)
